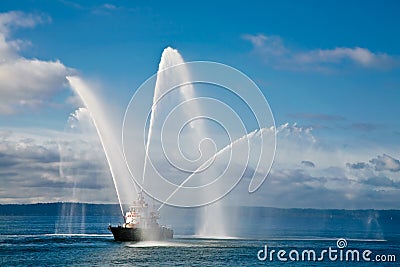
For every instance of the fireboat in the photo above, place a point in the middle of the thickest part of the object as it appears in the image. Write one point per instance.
(141, 224)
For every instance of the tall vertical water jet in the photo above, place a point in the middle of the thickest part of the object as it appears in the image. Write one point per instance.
(165, 99)
(108, 134)
(184, 156)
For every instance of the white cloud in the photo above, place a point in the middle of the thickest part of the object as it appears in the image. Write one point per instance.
(386, 163)
(275, 53)
(105, 9)
(25, 83)
(109, 6)
(272, 45)
(20, 19)
(306, 172)
(311, 173)
(50, 166)
(358, 55)
(80, 121)
(308, 163)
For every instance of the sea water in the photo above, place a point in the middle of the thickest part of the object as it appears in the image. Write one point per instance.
(40, 241)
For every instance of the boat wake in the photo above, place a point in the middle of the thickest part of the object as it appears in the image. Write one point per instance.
(79, 235)
(148, 244)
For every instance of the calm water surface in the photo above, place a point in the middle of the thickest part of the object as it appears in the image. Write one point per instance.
(85, 241)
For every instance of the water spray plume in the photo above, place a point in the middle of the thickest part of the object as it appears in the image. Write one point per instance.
(102, 126)
(169, 147)
(165, 100)
(162, 91)
(220, 152)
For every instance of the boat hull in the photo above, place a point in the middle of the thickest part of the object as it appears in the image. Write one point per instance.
(121, 233)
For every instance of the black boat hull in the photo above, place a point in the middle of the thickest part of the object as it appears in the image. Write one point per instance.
(140, 234)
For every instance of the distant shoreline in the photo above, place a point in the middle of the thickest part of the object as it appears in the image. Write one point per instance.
(92, 209)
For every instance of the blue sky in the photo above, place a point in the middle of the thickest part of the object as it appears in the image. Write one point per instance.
(329, 66)
(121, 45)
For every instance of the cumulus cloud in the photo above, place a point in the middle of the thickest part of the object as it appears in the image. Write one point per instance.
(70, 166)
(49, 166)
(274, 52)
(19, 19)
(384, 182)
(308, 163)
(357, 166)
(385, 163)
(25, 83)
(80, 121)
(331, 177)
(310, 188)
